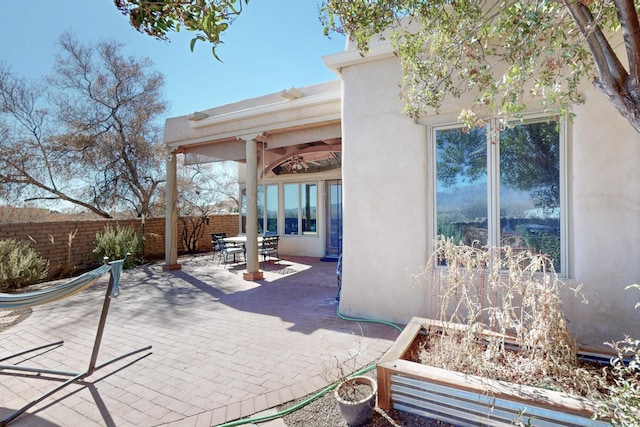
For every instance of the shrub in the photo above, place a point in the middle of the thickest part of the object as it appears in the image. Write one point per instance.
(623, 404)
(116, 243)
(20, 265)
(544, 242)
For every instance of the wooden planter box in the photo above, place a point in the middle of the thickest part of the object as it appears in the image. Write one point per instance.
(468, 400)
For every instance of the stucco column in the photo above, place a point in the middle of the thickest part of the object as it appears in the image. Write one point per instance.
(253, 266)
(171, 216)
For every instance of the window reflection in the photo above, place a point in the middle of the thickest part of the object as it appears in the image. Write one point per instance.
(528, 173)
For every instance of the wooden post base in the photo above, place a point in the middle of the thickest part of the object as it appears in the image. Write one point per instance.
(252, 277)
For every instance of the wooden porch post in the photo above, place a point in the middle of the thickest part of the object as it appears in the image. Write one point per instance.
(171, 216)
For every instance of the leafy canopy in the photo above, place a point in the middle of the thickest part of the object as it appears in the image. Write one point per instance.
(208, 18)
(504, 52)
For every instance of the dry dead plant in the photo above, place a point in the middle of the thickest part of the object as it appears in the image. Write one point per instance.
(500, 317)
(64, 269)
(342, 369)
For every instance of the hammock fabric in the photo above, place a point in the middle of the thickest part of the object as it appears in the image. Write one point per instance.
(80, 283)
(27, 299)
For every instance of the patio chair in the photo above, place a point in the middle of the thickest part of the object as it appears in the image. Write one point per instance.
(214, 243)
(229, 249)
(269, 248)
(214, 239)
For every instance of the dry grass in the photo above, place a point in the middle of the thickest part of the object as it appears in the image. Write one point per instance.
(501, 318)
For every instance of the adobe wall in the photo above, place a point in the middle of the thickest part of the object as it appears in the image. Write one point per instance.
(51, 239)
(602, 234)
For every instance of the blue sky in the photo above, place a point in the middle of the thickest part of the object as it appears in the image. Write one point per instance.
(273, 45)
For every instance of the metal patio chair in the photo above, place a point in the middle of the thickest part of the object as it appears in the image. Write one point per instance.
(269, 248)
(229, 249)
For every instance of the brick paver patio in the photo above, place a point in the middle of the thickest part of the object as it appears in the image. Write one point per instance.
(223, 348)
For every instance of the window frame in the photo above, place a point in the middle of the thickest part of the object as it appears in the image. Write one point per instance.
(494, 125)
(263, 190)
(300, 217)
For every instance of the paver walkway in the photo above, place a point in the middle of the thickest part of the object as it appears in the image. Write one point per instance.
(223, 348)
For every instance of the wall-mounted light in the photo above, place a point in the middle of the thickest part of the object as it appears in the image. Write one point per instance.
(292, 93)
(197, 115)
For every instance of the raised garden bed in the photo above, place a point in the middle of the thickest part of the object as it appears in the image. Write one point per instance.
(469, 400)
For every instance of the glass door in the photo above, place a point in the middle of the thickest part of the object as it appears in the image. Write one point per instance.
(334, 217)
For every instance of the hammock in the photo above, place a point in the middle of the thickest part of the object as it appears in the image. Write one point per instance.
(29, 299)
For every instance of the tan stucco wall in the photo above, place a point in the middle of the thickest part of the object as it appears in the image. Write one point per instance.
(387, 212)
(605, 195)
(384, 189)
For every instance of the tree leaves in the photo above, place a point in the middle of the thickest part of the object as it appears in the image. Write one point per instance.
(208, 18)
(502, 52)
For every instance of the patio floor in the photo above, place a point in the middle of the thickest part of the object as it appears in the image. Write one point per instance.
(223, 348)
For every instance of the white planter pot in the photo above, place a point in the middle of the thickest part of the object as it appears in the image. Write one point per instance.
(358, 412)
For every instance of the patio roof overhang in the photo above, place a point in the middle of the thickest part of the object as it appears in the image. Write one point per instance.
(291, 131)
(284, 119)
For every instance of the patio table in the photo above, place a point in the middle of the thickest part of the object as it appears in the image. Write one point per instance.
(240, 239)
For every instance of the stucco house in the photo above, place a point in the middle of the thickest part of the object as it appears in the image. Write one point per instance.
(338, 168)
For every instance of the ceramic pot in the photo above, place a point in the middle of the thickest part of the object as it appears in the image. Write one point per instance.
(356, 399)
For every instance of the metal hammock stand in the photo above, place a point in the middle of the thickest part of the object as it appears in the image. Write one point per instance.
(69, 288)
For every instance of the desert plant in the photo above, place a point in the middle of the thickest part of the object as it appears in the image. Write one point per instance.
(20, 265)
(491, 301)
(66, 268)
(116, 243)
(450, 230)
(544, 242)
(623, 403)
(193, 227)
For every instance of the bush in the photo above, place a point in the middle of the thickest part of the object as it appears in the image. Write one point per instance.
(623, 405)
(116, 243)
(20, 265)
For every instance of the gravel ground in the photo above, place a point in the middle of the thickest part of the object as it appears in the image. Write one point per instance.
(13, 317)
(324, 412)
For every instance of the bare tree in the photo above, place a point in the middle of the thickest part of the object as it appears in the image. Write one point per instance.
(90, 137)
(205, 189)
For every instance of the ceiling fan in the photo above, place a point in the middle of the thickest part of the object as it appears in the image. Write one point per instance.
(297, 164)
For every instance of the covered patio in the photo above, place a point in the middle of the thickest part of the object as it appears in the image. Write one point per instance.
(223, 347)
(288, 147)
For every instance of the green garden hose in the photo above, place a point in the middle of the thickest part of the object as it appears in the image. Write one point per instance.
(384, 322)
(295, 407)
(318, 394)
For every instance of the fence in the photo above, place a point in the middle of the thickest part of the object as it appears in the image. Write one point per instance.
(70, 243)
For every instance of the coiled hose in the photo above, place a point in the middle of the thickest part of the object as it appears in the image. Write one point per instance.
(321, 392)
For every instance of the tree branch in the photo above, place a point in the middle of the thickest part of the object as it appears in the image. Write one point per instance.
(611, 72)
(628, 18)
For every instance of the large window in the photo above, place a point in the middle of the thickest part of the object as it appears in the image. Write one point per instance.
(268, 209)
(300, 209)
(500, 185)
